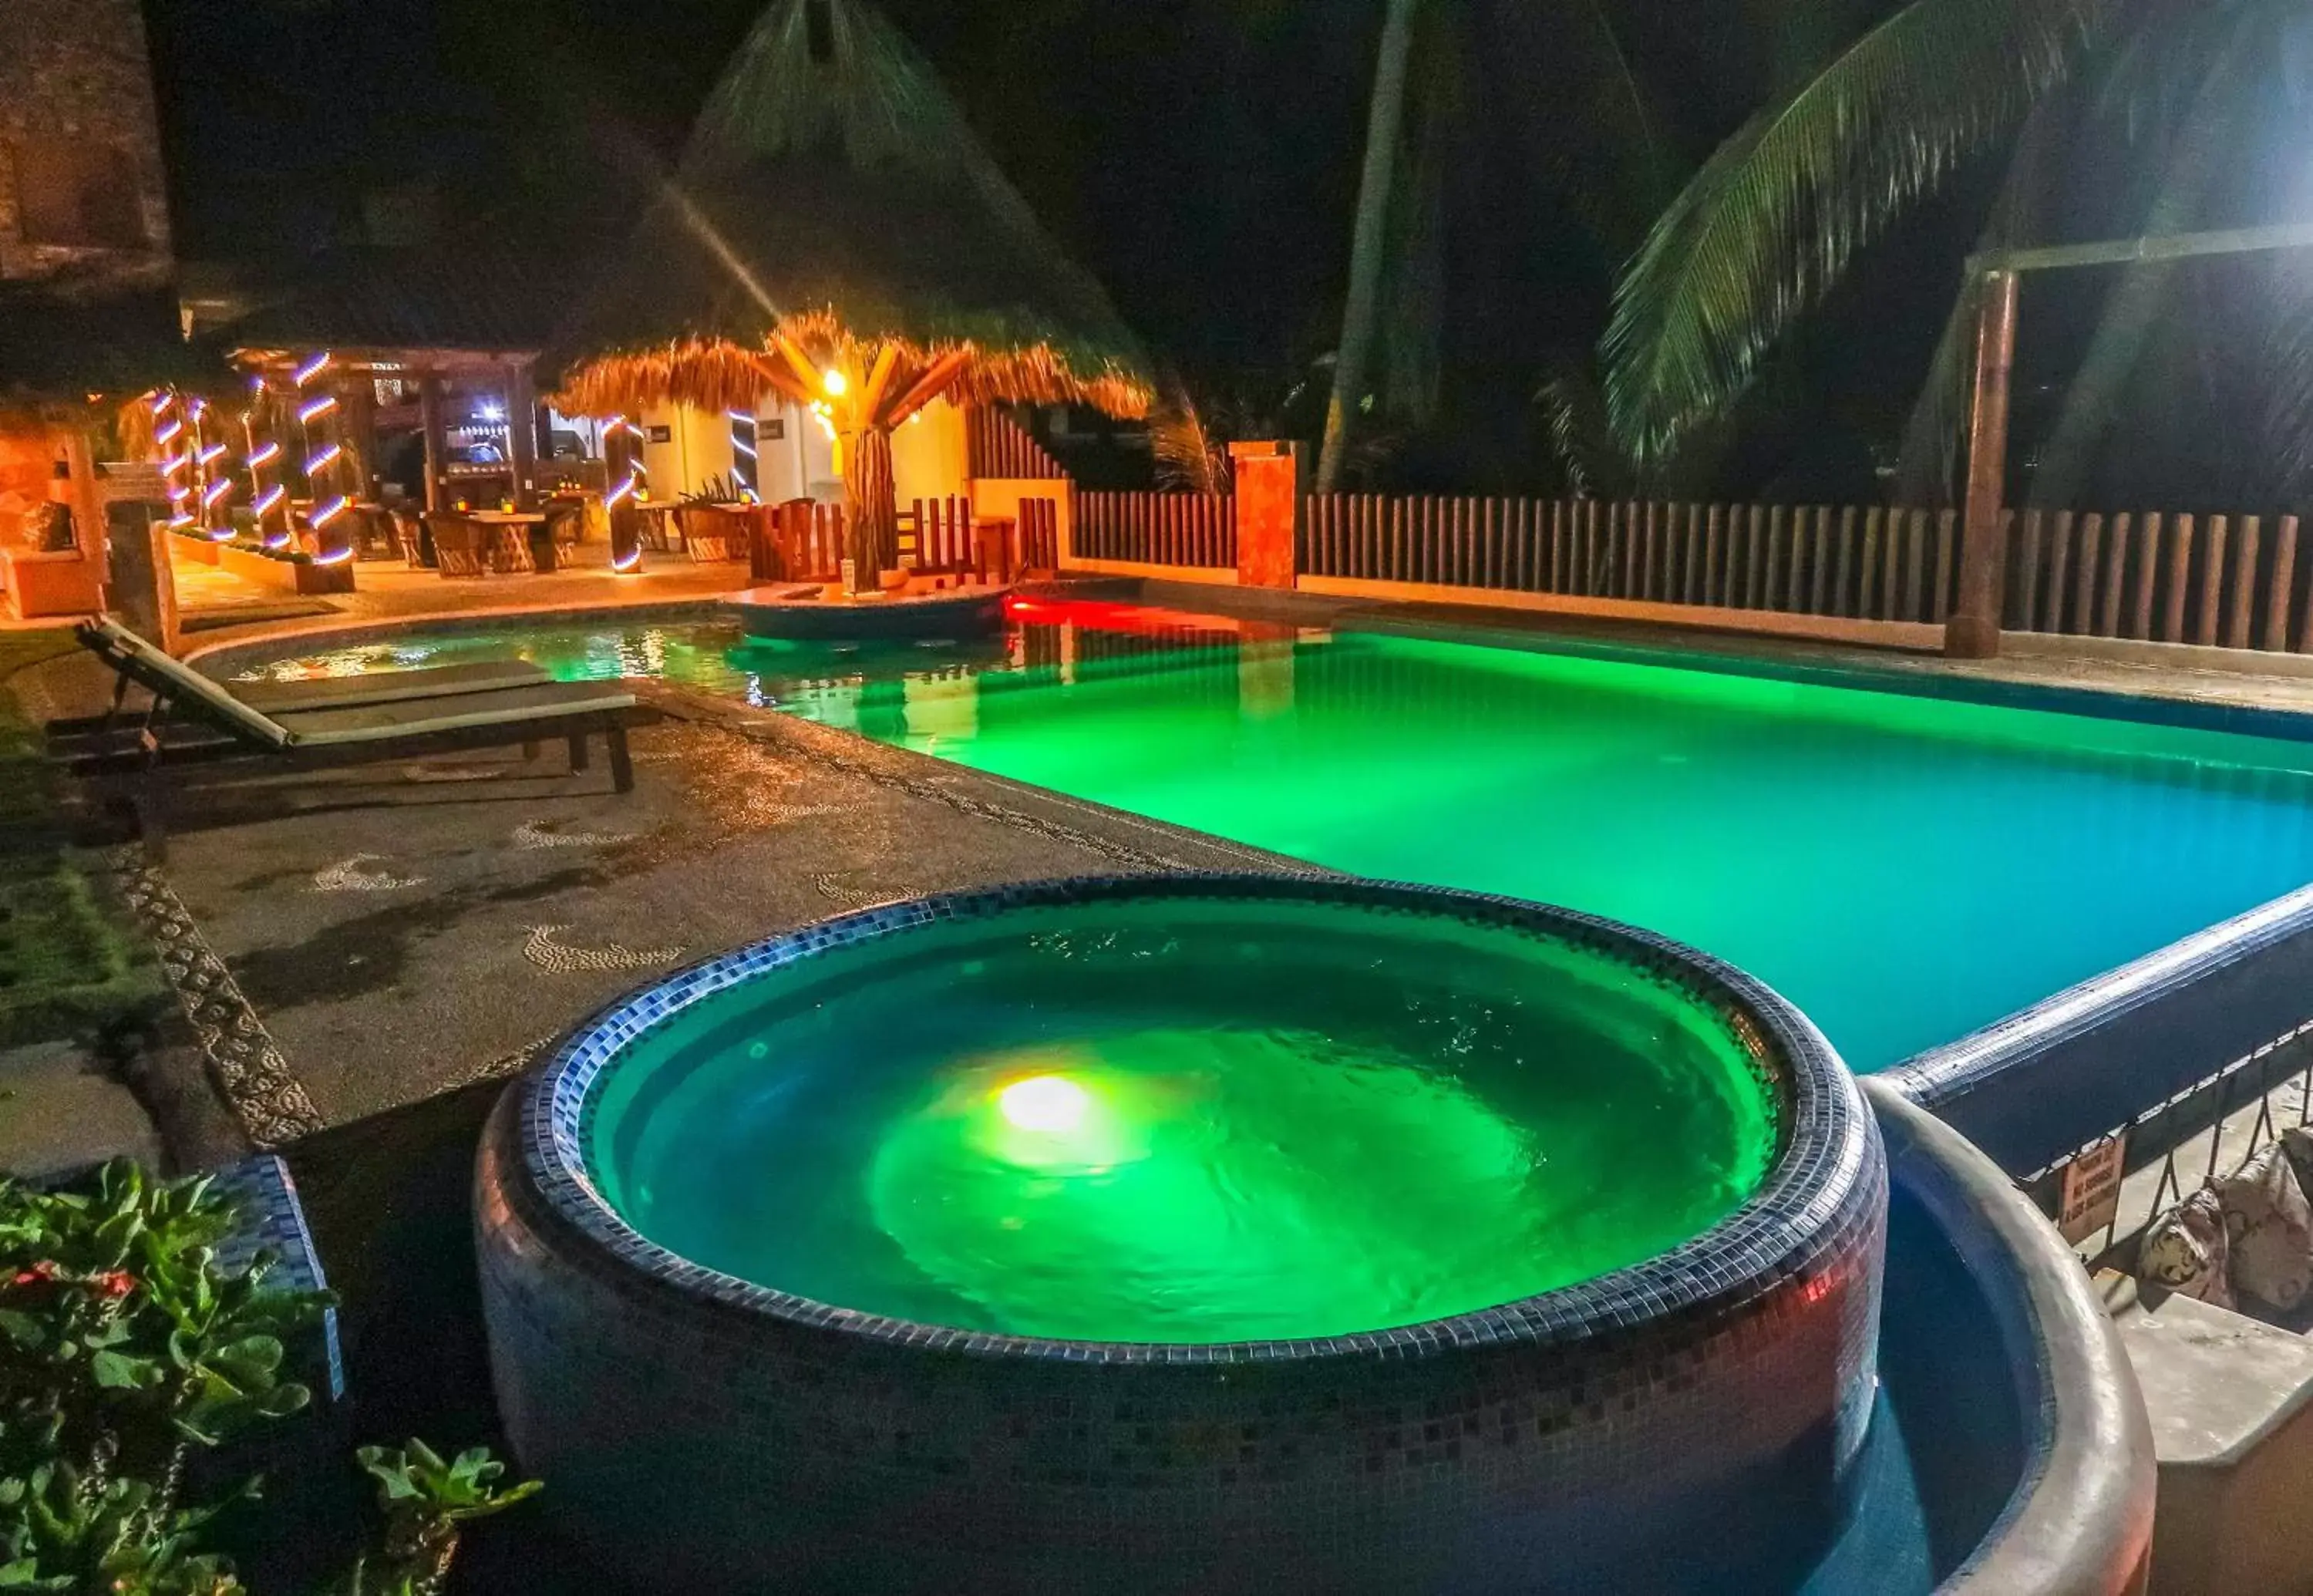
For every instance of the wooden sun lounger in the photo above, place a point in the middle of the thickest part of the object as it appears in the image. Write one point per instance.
(221, 726)
(134, 661)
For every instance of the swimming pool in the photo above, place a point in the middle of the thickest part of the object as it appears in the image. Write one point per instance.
(1903, 868)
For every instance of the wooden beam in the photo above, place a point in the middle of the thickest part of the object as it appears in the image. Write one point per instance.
(1973, 631)
(879, 379)
(799, 363)
(437, 440)
(522, 432)
(780, 378)
(936, 381)
(2175, 246)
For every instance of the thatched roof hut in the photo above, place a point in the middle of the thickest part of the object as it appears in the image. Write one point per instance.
(833, 200)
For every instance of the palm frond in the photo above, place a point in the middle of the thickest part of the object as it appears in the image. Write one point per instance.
(1774, 218)
(1192, 456)
(1595, 134)
(1927, 464)
(1576, 415)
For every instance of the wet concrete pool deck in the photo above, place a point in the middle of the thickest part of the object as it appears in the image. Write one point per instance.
(354, 943)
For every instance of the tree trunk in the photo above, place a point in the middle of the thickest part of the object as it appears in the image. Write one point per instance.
(2134, 308)
(1371, 236)
(872, 506)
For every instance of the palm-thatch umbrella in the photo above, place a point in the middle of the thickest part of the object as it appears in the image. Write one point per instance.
(836, 233)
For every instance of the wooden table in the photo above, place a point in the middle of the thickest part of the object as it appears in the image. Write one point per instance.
(662, 526)
(513, 546)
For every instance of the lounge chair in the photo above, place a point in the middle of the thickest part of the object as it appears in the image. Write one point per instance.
(197, 719)
(136, 662)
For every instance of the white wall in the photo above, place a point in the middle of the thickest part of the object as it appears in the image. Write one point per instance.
(929, 458)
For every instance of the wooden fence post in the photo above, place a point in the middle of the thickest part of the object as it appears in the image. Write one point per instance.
(1972, 632)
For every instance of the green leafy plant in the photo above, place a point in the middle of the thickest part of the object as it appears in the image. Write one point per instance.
(426, 1503)
(125, 1348)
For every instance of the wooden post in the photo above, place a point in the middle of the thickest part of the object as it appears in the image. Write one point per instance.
(1972, 632)
(437, 440)
(522, 430)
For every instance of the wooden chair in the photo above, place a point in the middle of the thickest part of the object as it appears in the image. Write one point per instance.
(508, 550)
(459, 545)
(409, 533)
(199, 721)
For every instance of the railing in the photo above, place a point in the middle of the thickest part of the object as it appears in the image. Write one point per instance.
(996, 445)
(2226, 581)
(800, 542)
(2217, 580)
(935, 535)
(1040, 535)
(1870, 564)
(1183, 529)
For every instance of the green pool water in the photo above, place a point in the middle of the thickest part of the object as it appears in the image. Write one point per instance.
(1182, 1121)
(1906, 869)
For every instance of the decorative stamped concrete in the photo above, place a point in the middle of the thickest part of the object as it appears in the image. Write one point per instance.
(548, 953)
(348, 875)
(247, 1065)
(403, 939)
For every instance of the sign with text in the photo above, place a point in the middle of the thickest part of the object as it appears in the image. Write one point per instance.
(2089, 1199)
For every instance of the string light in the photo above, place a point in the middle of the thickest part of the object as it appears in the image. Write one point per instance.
(162, 400)
(620, 494)
(325, 459)
(208, 456)
(169, 434)
(338, 557)
(271, 498)
(629, 561)
(215, 491)
(312, 368)
(329, 512)
(318, 409)
(265, 456)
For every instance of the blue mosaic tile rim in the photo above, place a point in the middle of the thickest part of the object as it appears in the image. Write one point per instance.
(1829, 1151)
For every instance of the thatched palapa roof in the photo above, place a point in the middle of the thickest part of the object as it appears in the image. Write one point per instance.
(834, 194)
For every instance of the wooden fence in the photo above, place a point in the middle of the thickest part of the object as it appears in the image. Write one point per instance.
(1187, 529)
(2225, 581)
(997, 446)
(2229, 581)
(1873, 564)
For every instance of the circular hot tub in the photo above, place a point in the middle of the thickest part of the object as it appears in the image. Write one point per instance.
(1191, 1232)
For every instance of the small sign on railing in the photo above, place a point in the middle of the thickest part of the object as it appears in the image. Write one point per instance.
(2089, 1198)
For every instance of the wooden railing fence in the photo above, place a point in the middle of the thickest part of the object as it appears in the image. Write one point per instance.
(1040, 535)
(1870, 564)
(996, 445)
(1186, 529)
(2227, 581)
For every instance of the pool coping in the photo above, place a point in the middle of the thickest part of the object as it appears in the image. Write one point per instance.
(2080, 1518)
(1830, 1159)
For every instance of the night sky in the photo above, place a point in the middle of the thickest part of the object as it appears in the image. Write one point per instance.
(1203, 166)
(1199, 156)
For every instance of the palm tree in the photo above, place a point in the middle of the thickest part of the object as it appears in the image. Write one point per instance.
(1780, 214)
(1591, 134)
(1384, 127)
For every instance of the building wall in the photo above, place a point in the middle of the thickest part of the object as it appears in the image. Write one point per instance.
(929, 456)
(83, 193)
(698, 447)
